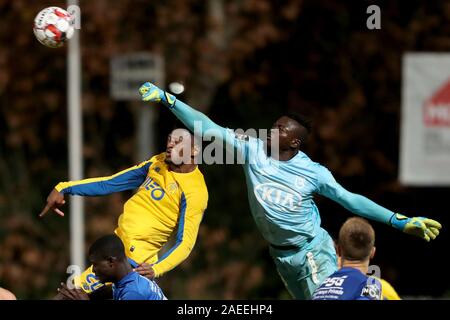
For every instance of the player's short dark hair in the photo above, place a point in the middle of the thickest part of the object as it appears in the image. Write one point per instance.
(106, 247)
(356, 239)
(302, 120)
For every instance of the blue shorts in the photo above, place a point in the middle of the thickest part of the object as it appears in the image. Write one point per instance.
(304, 269)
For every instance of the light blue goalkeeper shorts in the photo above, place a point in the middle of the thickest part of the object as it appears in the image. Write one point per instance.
(304, 269)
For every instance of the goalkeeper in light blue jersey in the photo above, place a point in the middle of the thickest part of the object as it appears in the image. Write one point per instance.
(280, 192)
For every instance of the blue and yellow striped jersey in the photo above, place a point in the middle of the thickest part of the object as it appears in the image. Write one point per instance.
(165, 202)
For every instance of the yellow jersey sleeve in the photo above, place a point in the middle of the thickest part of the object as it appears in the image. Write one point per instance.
(192, 206)
(127, 179)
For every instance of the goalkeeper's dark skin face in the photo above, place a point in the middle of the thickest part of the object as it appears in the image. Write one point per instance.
(289, 134)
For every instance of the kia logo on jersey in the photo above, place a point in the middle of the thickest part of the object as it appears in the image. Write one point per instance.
(277, 196)
(437, 107)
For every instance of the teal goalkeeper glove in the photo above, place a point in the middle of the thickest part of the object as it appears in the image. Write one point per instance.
(150, 92)
(424, 228)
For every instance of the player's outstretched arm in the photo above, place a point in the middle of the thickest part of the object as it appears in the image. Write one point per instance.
(422, 227)
(127, 179)
(197, 122)
(189, 116)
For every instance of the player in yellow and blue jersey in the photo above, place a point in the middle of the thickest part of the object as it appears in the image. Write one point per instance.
(171, 197)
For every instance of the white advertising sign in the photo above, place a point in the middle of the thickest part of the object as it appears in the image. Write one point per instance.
(425, 120)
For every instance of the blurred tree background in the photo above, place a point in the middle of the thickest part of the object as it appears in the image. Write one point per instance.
(244, 63)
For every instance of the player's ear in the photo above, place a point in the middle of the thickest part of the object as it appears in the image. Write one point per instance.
(372, 254)
(111, 260)
(338, 253)
(338, 250)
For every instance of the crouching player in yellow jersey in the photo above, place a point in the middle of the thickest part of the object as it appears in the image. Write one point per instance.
(171, 196)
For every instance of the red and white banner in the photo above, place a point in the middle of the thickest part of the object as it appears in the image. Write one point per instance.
(425, 120)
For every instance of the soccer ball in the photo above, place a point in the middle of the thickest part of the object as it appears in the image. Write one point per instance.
(52, 27)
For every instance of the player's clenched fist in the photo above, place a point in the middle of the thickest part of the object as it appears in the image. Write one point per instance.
(421, 227)
(54, 200)
(150, 92)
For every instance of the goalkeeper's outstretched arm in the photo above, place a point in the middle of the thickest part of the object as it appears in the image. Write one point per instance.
(194, 120)
(424, 228)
